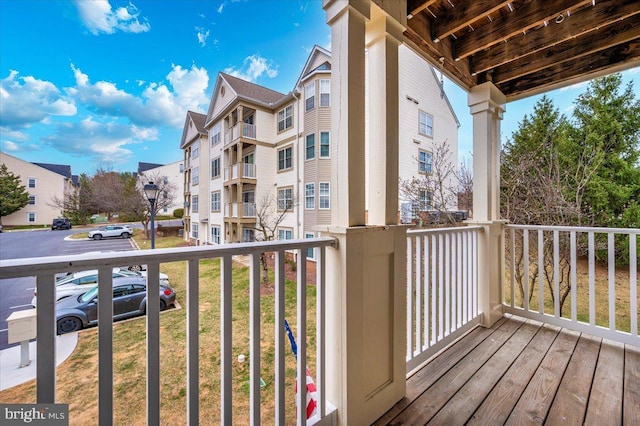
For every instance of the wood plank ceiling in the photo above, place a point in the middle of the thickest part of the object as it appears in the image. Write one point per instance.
(525, 46)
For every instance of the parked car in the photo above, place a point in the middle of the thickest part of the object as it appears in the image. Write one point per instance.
(60, 223)
(129, 299)
(83, 281)
(122, 231)
(0, 228)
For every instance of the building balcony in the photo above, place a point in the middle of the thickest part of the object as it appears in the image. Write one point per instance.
(566, 347)
(243, 171)
(240, 211)
(238, 131)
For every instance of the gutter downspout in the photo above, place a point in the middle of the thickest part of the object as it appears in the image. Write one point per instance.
(298, 207)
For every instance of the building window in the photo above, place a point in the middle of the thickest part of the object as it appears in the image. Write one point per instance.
(32, 200)
(165, 180)
(215, 137)
(310, 250)
(324, 144)
(31, 217)
(310, 96)
(215, 168)
(195, 176)
(285, 234)
(425, 200)
(284, 158)
(310, 196)
(325, 93)
(310, 152)
(215, 234)
(324, 195)
(285, 118)
(194, 204)
(424, 161)
(248, 235)
(215, 201)
(426, 124)
(181, 168)
(195, 149)
(285, 198)
(194, 230)
(32, 182)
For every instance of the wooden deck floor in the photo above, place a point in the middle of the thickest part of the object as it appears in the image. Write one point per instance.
(522, 372)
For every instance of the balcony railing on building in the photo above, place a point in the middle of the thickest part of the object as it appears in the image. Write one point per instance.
(240, 170)
(247, 130)
(232, 210)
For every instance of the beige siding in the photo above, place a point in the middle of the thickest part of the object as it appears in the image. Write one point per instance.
(220, 101)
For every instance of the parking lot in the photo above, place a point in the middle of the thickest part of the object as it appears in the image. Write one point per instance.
(16, 294)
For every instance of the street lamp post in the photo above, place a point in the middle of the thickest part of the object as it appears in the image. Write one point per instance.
(151, 192)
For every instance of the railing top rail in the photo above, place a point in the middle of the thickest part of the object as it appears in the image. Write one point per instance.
(457, 229)
(576, 229)
(26, 267)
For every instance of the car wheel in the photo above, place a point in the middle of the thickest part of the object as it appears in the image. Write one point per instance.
(125, 235)
(163, 305)
(135, 268)
(97, 237)
(68, 325)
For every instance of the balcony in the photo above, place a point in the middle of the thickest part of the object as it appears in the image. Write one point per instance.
(539, 362)
(244, 130)
(240, 171)
(233, 210)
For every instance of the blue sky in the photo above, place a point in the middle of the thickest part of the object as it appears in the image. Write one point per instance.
(107, 83)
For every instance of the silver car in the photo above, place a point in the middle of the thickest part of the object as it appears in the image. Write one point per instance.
(83, 281)
(122, 231)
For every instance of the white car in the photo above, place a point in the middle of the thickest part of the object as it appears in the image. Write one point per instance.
(83, 281)
(122, 231)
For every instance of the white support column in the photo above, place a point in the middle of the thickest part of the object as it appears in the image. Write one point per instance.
(487, 105)
(383, 37)
(366, 274)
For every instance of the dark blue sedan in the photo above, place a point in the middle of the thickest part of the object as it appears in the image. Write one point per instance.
(129, 299)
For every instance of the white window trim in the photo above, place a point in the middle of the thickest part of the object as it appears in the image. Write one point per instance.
(306, 138)
(320, 196)
(426, 124)
(219, 167)
(310, 92)
(320, 146)
(306, 196)
(35, 217)
(321, 93)
(282, 189)
(219, 201)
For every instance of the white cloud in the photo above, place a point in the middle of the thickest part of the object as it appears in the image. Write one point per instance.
(254, 67)
(103, 142)
(98, 17)
(17, 135)
(10, 146)
(221, 8)
(296, 24)
(202, 36)
(27, 100)
(159, 105)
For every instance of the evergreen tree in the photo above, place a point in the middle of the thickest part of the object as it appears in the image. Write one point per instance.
(13, 196)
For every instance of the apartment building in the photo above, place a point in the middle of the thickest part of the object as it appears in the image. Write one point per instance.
(166, 175)
(260, 155)
(44, 183)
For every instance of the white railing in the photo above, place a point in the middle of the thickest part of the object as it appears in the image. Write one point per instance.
(442, 289)
(45, 270)
(249, 130)
(248, 170)
(567, 276)
(249, 209)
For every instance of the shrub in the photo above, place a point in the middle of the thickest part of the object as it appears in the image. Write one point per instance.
(178, 213)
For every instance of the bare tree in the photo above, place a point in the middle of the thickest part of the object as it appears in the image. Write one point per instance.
(139, 205)
(270, 212)
(436, 189)
(465, 185)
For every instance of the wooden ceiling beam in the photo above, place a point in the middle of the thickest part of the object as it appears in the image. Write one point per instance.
(589, 64)
(418, 31)
(605, 12)
(530, 15)
(416, 6)
(600, 39)
(463, 15)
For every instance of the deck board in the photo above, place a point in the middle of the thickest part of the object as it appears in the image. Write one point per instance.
(524, 372)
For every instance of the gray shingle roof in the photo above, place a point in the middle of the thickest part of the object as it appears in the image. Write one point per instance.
(143, 167)
(253, 91)
(198, 120)
(60, 169)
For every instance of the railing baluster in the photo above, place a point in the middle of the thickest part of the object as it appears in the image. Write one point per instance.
(434, 289)
(193, 343)
(459, 278)
(525, 278)
(301, 397)
(321, 343)
(447, 283)
(540, 272)
(226, 340)
(153, 343)
(592, 280)
(105, 346)
(409, 298)
(556, 274)
(474, 288)
(513, 267)
(425, 242)
(633, 281)
(254, 339)
(280, 341)
(574, 280)
(418, 325)
(46, 346)
(612, 281)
